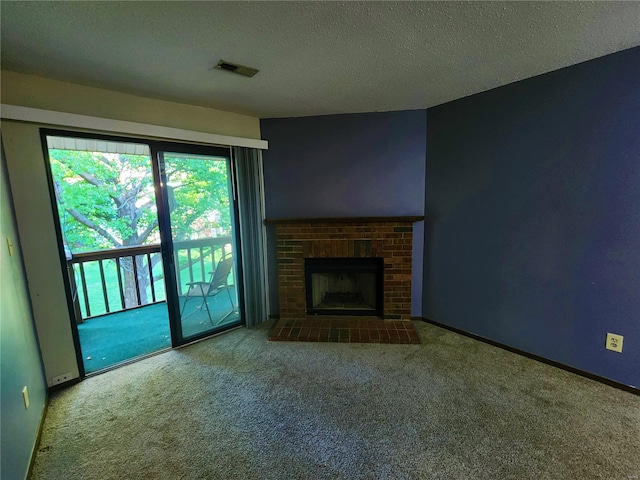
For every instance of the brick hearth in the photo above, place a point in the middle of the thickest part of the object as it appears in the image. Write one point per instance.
(345, 329)
(389, 238)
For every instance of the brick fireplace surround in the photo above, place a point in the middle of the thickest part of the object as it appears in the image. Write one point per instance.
(389, 238)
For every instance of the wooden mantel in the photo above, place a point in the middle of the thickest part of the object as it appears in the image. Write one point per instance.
(415, 218)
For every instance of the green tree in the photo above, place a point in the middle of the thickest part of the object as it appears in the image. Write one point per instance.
(198, 196)
(107, 200)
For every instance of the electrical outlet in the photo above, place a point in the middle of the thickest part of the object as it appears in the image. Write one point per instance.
(25, 397)
(614, 342)
(65, 377)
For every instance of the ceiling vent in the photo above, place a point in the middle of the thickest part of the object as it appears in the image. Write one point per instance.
(239, 69)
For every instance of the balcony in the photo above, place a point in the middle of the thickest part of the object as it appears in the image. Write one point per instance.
(120, 304)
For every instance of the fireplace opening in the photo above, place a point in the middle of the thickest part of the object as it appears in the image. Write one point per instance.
(344, 286)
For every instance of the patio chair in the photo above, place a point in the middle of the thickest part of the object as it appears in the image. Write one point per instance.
(206, 290)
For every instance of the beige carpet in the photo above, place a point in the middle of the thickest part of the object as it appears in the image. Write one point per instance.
(240, 407)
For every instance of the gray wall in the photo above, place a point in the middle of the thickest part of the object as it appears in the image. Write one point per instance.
(20, 356)
(354, 165)
(533, 215)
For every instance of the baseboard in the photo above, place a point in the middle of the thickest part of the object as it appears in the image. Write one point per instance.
(36, 444)
(60, 386)
(590, 376)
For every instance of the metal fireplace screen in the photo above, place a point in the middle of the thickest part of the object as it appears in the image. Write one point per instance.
(344, 286)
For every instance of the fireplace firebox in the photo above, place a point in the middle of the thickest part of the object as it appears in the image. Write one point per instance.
(344, 286)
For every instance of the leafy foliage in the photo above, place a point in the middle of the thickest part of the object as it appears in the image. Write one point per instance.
(107, 200)
(198, 197)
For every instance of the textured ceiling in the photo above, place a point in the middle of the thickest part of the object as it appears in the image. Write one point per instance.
(314, 58)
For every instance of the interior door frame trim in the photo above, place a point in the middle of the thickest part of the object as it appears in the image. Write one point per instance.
(122, 127)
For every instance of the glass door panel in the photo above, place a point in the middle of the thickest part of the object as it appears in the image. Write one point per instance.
(198, 190)
(108, 225)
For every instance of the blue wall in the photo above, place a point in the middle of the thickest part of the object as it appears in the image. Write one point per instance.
(533, 215)
(20, 355)
(369, 164)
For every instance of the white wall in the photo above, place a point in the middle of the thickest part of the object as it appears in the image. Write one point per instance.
(25, 163)
(38, 92)
(20, 357)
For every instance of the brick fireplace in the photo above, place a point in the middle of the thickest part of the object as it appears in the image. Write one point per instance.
(389, 239)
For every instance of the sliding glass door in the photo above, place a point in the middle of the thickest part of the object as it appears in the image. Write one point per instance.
(148, 231)
(201, 221)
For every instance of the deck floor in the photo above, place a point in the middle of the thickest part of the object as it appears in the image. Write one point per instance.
(118, 337)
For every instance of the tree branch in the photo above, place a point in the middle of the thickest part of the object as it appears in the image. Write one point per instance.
(91, 179)
(143, 236)
(106, 161)
(100, 184)
(89, 224)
